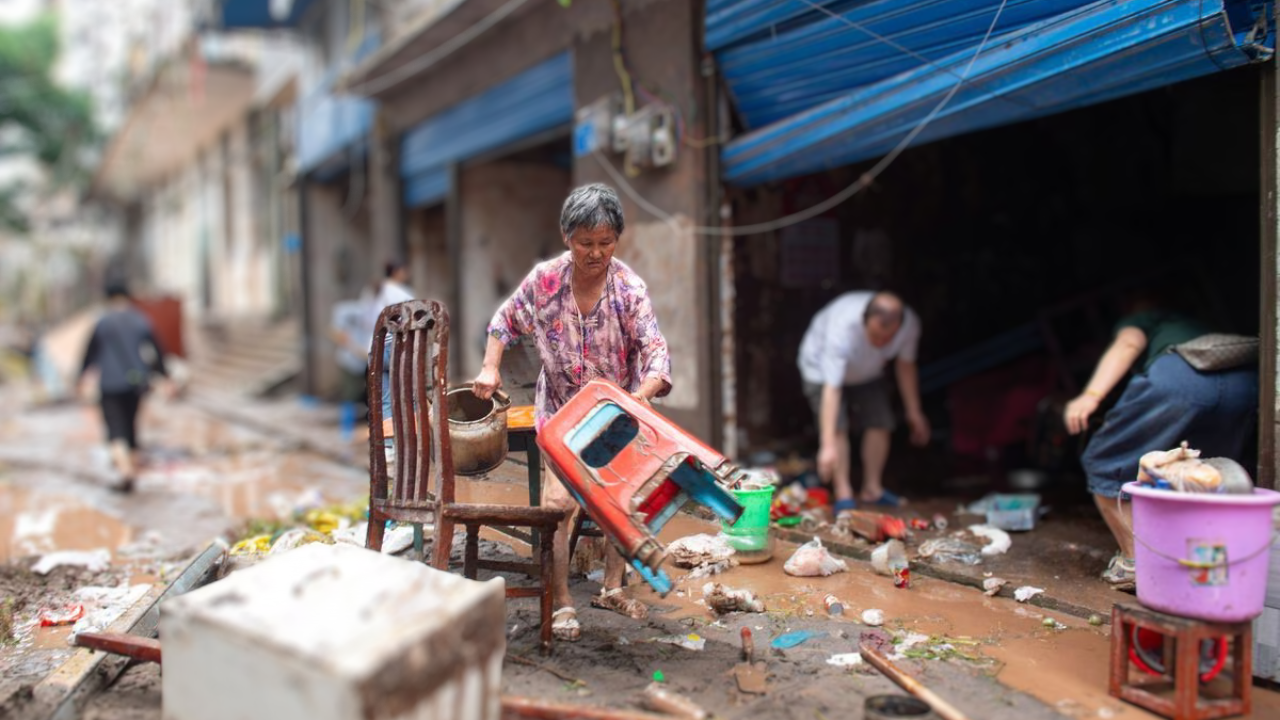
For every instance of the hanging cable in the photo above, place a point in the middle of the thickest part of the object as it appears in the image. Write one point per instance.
(862, 182)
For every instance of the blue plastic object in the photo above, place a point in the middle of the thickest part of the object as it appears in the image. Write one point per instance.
(792, 639)
(659, 582)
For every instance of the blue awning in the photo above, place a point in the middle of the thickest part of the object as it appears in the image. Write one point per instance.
(1092, 53)
(537, 100)
(233, 14)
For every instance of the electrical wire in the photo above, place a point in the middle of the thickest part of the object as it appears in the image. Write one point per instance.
(427, 60)
(862, 182)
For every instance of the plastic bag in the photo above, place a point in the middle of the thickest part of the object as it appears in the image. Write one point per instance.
(951, 550)
(1181, 468)
(812, 560)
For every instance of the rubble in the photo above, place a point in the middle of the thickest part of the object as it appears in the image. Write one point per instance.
(1026, 592)
(1000, 540)
(695, 551)
(92, 560)
(723, 599)
(813, 560)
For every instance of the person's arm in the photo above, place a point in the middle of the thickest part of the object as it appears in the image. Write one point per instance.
(909, 385)
(654, 355)
(90, 353)
(511, 322)
(1129, 344)
(490, 379)
(158, 365)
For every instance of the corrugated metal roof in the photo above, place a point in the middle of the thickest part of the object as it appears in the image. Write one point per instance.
(1086, 55)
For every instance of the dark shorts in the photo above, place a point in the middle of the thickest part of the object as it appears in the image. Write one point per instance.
(352, 386)
(1215, 413)
(120, 411)
(868, 405)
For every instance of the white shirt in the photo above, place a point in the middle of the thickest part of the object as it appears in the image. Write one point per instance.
(836, 351)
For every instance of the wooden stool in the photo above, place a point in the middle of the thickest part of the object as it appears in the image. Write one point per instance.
(1181, 700)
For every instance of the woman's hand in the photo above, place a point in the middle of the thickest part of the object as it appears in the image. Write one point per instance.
(486, 383)
(827, 459)
(1078, 412)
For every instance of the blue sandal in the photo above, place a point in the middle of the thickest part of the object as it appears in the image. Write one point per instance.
(887, 499)
(846, 504)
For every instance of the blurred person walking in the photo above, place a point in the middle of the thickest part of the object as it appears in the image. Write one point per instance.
(124, 350)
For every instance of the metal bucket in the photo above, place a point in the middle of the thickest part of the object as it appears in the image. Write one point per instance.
(477, 430)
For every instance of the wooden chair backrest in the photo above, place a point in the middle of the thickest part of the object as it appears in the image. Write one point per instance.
(417, 332)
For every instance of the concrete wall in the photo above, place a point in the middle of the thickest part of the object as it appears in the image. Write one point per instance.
(337, 257)
(661, 44)
(510, 221)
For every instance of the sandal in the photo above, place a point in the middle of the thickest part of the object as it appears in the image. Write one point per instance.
(887, 499)
(1120, 573)
(614, 600)
(564, 625)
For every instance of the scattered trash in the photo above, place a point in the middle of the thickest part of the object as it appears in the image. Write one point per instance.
(92, 560)
(874, 526)
(6, 620)
(724, 599)
(104, 605)
(395, 540)
(64, 616)
(919, 524)
(296, 538)
(1053, 624)
(1095, 620)
(940, 522)
(257, 545)
(658, 677)
(752, 677)
(792, 639)
(596, 575)
(1000, 540)
(891, 559)
(697, 550)
(788, 503)
(1026, 592)
(905, 644)
(1013, 512)
(656, 697)
(991, 586)
(950, 550)
(710, 569)
(833, 605)
(692, 641)
(873, 617)
(845, 660)
(812, 560)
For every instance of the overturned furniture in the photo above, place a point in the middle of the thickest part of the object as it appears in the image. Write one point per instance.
(334, 632)
(411, 472)
(632, 470)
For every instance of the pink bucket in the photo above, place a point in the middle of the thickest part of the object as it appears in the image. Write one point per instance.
(1202, 556)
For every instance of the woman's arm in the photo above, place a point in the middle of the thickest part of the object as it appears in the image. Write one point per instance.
(653, 354)
(1115, 363)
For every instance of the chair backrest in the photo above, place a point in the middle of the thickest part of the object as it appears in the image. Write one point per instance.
(411, 344)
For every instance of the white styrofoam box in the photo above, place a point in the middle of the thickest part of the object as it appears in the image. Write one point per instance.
(335, 632)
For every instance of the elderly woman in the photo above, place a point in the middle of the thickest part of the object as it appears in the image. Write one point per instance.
(591, 318)
(1165, 403)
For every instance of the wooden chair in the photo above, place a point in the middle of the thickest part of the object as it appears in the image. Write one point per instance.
(419, 487)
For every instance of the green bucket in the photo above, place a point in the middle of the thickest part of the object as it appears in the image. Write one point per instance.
(750, 535)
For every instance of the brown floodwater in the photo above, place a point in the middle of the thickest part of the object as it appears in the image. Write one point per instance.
(33, 522)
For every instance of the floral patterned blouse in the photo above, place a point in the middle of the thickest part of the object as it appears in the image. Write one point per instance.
(618, 340)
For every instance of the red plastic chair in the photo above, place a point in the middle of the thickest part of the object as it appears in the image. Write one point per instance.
(632, 469)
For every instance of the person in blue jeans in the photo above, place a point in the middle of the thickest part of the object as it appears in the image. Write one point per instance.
(1165, 403)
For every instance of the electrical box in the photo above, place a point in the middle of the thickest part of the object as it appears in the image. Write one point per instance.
(651, 137)
(594, 126)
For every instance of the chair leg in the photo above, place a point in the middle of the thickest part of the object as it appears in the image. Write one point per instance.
(547, 579)
(377, 528)
(443, 543)
(471, 559)
(576, 534)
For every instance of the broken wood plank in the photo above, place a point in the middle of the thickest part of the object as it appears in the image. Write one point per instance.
(132, 646)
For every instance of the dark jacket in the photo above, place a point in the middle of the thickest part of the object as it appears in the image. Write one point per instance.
(116, 349)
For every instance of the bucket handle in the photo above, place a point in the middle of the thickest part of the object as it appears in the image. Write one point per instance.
(1190, 564)
(500, 399)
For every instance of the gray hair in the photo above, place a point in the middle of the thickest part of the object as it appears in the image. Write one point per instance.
(589, 207)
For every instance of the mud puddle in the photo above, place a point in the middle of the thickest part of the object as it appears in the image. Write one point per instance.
(34, 522)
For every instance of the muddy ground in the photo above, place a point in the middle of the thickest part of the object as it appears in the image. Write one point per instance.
(206, 476)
